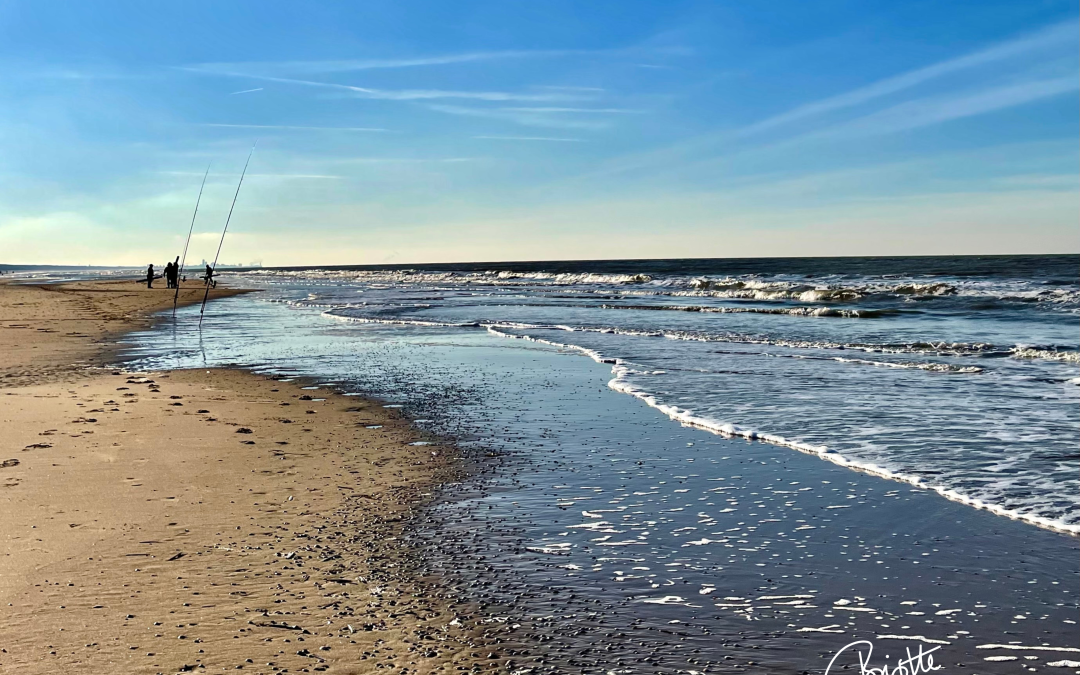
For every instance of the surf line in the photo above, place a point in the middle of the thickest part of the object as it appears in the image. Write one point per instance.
(187, 242)
(728, 430)
(213, 267)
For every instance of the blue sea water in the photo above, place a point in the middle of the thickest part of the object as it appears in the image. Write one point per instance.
(784, 453)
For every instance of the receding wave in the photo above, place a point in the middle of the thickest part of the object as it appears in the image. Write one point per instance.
(731, 430)
(962, 349)
(788, 311)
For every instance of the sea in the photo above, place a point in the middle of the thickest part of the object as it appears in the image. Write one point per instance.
(715, 465)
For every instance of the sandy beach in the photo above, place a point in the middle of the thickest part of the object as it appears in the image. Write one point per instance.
(207, 520)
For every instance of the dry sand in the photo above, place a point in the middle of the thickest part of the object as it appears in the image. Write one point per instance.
(199, 521)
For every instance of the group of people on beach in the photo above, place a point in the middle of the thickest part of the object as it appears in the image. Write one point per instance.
(172, 275)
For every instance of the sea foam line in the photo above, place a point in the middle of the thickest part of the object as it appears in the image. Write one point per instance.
(942, 348)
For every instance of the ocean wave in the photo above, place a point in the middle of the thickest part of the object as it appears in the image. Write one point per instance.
(755, 289)
(492, 277)
(788, 311)
(912, 365)
(501, 327)
(948, 349)
(962, 349)
(688, 418)
(1046, 354)
(748, 287)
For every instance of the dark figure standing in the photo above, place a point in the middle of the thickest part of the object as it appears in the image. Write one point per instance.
(168, 275)
(174, 275)
(210, 280)
(150, 276)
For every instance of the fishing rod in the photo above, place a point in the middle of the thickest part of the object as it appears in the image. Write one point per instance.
(213, 268)
(183, 257)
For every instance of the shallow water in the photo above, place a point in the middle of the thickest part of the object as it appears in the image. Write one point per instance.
(626, 542)
(964, 381)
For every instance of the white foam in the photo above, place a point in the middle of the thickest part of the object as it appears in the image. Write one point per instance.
(666, 600)
(1037, 648)
(552, 549)
(1046, 354)
(917, 638)
(730, 430)
(834, 628)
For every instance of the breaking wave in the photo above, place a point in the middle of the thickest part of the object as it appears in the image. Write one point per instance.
(791, 288)
(928, 348)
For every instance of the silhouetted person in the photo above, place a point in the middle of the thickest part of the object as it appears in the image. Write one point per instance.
(170, 274)
(150, 276)
(210, 280)
(174, 278)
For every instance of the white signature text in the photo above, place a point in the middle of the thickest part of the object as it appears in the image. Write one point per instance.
(861, 651)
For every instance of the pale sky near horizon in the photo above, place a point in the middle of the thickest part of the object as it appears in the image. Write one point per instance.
(400, 132)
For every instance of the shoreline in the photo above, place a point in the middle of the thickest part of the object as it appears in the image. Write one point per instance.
(198, 519)
(53, 331)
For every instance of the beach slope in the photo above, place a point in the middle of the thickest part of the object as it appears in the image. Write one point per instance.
(202, 520)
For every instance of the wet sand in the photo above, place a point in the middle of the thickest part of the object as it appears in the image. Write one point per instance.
(203, 520)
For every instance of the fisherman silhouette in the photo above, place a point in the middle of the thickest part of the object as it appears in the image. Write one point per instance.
(210, 280)
(150, 276)
(172, 271)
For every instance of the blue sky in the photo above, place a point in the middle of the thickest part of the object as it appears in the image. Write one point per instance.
(434, 131)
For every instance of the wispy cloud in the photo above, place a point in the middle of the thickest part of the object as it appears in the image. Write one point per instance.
(569, 87)
(84, 72)
(348, 65)
(531, 138)
(319, 176)
(255, 175)
(292, 127)
(246, 91)
(625, 111)
(1052, 36)
(926, 111)
(407, 94)
(532, 119)
(1016, 71)
(420, 94)
(403, 160)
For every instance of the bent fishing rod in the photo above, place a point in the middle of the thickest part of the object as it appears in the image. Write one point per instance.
(213, 267)
(187, 242)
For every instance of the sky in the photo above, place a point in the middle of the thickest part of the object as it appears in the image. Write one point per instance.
(405, 132)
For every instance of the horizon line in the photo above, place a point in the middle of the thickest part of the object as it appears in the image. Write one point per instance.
(565, 260)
